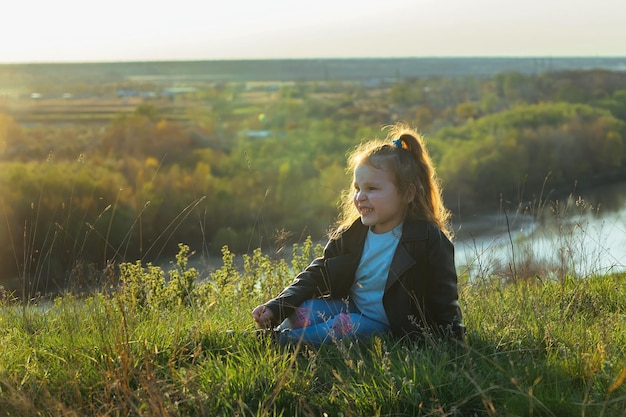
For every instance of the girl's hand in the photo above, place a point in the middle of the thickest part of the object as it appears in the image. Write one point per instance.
(263, 317)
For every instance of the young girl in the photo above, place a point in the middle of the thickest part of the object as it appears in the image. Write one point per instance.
(388, 267)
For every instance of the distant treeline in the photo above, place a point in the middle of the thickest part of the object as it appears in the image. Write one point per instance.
(33, 76)
(253, 167)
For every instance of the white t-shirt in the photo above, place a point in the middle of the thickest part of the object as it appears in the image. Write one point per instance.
(372, 272)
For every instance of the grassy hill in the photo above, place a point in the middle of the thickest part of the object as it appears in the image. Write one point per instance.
(534, 347)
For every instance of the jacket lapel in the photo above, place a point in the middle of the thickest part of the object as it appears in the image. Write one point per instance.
(404, 259)
(401, 262)
(341, 268)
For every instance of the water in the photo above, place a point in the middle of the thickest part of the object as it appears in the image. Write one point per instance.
(582, 236)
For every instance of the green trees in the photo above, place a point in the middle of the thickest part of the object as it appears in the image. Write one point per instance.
(57, 213)
(142, 134)
(502, 153)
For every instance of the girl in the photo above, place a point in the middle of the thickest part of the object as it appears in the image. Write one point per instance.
(389, 265)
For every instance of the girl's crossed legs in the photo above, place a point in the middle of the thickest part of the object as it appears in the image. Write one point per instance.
(320, 321)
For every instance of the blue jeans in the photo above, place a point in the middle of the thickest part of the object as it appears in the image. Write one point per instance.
(320, 321)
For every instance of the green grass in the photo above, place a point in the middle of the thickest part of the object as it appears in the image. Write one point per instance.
(161, 347)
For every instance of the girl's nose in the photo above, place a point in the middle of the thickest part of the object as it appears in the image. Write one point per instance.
(359, 196)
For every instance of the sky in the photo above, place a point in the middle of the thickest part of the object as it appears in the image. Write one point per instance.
(156, 30)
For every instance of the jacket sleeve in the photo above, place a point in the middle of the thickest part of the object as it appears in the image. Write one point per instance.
(310, 283)
(443, 286)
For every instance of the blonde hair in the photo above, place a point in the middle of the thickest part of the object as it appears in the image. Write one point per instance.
(404, 154)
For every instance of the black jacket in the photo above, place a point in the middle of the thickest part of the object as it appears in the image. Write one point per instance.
(421, 291)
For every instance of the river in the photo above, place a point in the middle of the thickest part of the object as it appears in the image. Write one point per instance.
(582, 235)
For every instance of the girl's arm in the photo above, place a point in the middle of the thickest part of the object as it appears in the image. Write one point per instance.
(308, 284)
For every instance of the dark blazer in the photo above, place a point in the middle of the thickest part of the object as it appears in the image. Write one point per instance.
(421, 291)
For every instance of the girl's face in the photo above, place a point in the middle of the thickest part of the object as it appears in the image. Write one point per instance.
(377, 199)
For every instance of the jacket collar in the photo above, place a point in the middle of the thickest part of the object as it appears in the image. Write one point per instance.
(354, 237)
(412, 229)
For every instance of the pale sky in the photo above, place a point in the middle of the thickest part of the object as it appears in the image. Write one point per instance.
(140, 30)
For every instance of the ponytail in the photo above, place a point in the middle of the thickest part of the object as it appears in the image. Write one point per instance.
(419, 173)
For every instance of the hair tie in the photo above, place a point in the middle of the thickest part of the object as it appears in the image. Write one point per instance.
(400, 144)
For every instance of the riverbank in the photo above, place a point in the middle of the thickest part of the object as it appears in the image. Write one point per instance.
(583, 234)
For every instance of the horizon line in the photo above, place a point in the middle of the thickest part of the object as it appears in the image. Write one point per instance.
(557, 57)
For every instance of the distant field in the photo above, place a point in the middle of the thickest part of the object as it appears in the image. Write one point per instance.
(82, 111)
(98, 110)
(27, 112)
